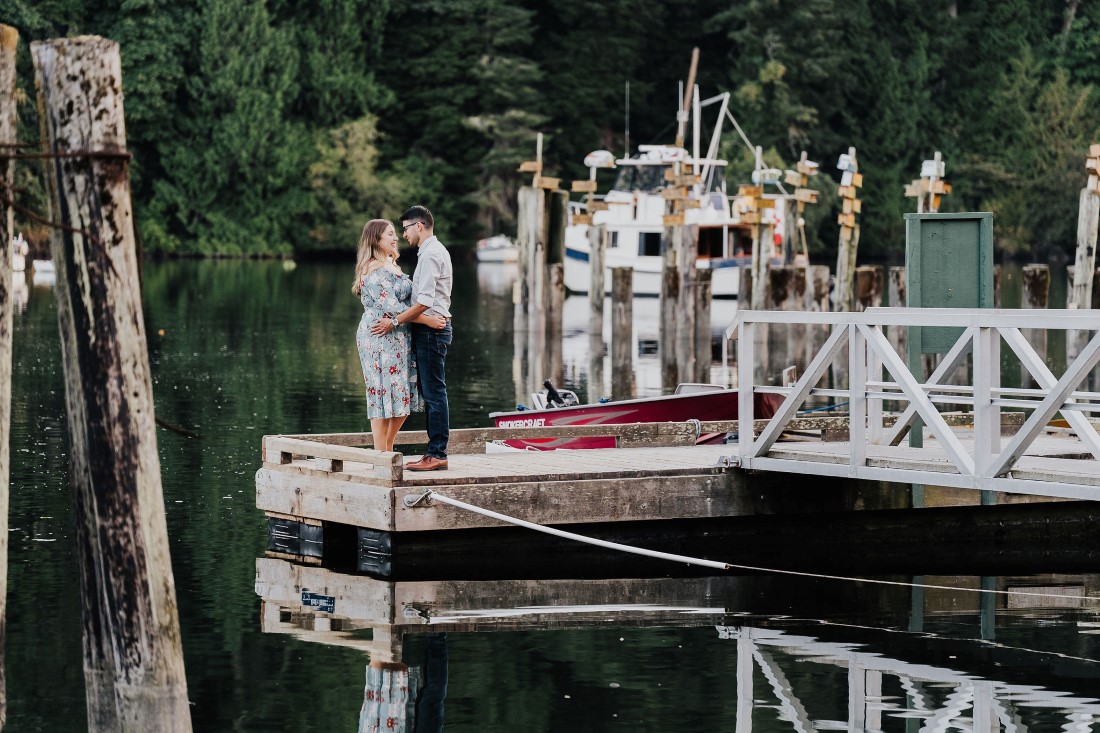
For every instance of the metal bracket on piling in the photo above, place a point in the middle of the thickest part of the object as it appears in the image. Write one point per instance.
(424, 499)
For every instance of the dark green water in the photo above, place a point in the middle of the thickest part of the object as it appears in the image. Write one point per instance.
(244, 349)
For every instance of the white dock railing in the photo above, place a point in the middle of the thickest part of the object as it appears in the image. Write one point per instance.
(991, 464)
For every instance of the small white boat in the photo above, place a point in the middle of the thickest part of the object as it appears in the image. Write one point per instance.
(498, 248)
(44, 273)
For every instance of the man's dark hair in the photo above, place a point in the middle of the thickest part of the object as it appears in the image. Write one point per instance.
(420, 214)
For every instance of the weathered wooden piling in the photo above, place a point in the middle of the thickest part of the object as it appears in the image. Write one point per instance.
(596, 353)
(597, 288)
(542, 217)
(896, 298)
(868, 287)
(1071, 280)
(762, 246)
(622, 333)
(133, 659)
(1036, 293)
(529, 239)
(9, 42)
(668, 327)
(1082, 290)
(790, 229)
(676, 334)
(554, 327)
(895, 294)
(1088, 221)
(850, 180)
(704, 289)
(688, 309)
(798, 288)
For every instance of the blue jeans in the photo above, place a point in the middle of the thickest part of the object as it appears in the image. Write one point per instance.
(430, 346)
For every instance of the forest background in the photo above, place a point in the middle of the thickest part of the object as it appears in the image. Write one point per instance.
(273, 127)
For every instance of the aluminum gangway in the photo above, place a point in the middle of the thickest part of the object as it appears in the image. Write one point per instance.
(1031, 461)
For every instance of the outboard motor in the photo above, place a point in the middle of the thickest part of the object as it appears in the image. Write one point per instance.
(565, 398)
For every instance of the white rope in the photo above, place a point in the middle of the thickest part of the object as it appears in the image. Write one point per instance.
(917, 585)
(433, 496)
(579, 538)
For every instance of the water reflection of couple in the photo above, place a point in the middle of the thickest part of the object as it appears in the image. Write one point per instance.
(405, 332)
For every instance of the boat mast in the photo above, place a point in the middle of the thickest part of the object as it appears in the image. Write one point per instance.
(682, 114)
(626, 136)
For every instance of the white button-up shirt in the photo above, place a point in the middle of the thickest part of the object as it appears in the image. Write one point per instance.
(433, 277)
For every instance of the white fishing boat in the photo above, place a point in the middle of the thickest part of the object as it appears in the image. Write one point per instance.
(498, 248)
(634, 208)
(44, 274)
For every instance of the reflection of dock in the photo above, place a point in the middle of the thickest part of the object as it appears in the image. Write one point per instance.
(359, 601)
(790, 654)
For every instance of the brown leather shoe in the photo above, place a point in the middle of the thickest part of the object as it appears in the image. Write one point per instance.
(428, 463)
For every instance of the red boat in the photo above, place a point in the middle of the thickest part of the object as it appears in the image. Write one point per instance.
(704, 402)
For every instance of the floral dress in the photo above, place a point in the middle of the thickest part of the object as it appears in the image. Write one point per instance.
(389, 369)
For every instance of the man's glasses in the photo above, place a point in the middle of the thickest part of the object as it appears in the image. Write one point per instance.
(411, 224)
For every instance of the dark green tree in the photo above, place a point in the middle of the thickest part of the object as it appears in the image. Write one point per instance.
(236, 180)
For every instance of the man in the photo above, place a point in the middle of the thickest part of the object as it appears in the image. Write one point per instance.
(431, 294)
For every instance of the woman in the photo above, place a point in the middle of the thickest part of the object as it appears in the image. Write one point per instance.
(388, 370)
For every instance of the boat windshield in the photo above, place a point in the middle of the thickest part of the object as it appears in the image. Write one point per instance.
(651, 178)
(647, 178)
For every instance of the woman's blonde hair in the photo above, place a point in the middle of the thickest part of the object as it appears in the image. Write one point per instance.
(368, 249)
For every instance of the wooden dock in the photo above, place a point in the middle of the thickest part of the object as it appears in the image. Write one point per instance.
(328, 495)
(657, 473)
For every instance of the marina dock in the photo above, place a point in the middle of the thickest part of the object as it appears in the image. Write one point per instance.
(326, 490)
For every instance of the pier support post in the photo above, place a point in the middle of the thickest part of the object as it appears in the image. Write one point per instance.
(597, 288)
(791, 215)
(528, 216)
(557, 216)
(1088, 220)
(687, 309)
(762, 247)
(622, 335)
(532, 301)
(669, 305)
(133, 659)
(868, 287)
(895, 298)
(1082, 292)
(1036, 286)
(703, 290)
(848, 246)
(554, 330)
(9, 41)
(1036, 294)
